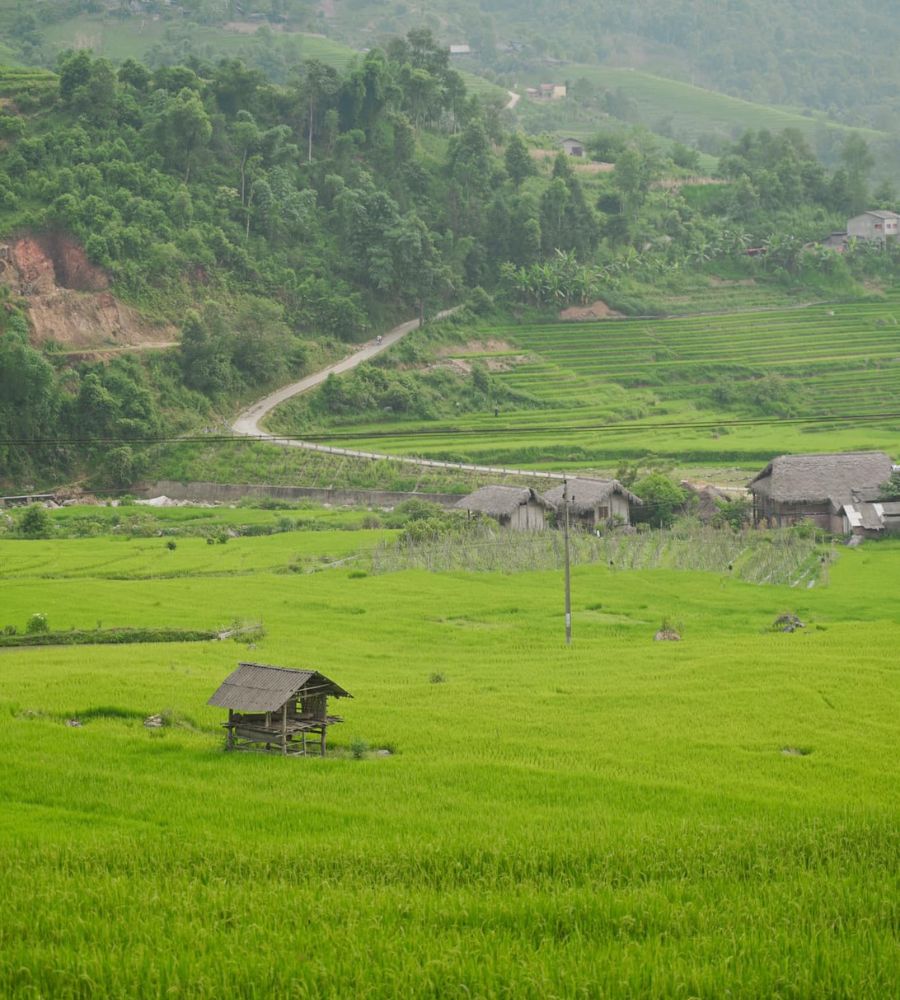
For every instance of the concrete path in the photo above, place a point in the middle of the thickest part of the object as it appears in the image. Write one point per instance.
(249, 422)
(514, 99)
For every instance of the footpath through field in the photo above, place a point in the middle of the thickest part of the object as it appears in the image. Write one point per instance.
(248, 422)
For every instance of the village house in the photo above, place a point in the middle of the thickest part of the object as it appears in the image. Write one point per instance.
(460, 50)
(818, 488)
(517, 507)
(573, 147)
(874, 226)
(595, 502)
(277, 709)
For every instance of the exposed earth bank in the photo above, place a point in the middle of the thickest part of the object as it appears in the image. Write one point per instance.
(68, 298)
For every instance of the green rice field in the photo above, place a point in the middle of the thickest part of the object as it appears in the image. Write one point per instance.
(622, 818)
(728, 389)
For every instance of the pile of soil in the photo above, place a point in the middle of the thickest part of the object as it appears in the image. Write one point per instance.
(596, 310)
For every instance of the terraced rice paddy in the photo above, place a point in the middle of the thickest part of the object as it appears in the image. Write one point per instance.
(695, 389)
(621, 819)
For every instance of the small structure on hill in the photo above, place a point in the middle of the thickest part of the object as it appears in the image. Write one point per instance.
(463, 49)
(595, 502)
(817, 488)
(573, 147)
(546, 92)
(518, 507)
(277, 708)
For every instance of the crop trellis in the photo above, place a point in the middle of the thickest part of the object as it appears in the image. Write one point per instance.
(782, 556)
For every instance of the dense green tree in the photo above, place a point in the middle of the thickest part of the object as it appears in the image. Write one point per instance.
(519, 164)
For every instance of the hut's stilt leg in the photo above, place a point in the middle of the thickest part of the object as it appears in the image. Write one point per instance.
(229, 739)
(322, 743)
(284, 730)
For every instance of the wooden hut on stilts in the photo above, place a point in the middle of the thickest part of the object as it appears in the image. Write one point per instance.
(277, 709)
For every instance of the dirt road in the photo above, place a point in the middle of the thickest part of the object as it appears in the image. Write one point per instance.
(249, 422)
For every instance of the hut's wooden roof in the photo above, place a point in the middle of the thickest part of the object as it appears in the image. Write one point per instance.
(256, 687)
(499, 501)
(820, 478)
(586, 494)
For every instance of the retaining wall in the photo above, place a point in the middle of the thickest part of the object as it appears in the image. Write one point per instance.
(232, 492)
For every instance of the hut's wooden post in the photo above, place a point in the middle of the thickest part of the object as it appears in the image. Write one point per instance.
(229, 739)
(284, 729)
(322, 742)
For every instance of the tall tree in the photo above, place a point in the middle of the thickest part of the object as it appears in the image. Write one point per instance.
(317, 84)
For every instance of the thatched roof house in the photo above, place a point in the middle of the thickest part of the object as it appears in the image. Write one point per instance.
(277, 708)
(593, 502)
(518, 507)
(794, 488)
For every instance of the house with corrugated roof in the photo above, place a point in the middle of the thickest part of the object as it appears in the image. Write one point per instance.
(878, 225)
(817, 488)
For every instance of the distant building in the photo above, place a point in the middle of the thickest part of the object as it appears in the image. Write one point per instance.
(460, 50)
(594, 502)
(546, 92)
(573, 147)
(874, 226)
(517, 507)
(818, 488)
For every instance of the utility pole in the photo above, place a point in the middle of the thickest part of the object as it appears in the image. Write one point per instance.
(568, 581)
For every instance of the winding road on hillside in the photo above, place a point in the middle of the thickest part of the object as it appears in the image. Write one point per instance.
(248, 423)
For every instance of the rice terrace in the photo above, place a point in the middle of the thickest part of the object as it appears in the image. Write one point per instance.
(703, 390)
(449, 500)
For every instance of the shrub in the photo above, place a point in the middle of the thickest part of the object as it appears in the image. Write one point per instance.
(358, 748)
(37, 624)
(35, 522)
(662, 499)
(171, 545)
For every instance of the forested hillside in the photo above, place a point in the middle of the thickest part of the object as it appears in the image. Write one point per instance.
(261, 225)
(826, 55)
(820, 54)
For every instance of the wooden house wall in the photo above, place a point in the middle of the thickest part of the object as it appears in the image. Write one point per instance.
(528, 517)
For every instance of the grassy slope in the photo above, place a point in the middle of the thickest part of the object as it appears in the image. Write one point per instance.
(837, 361)
(118, 40)
(695, 110)
(613, 819)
